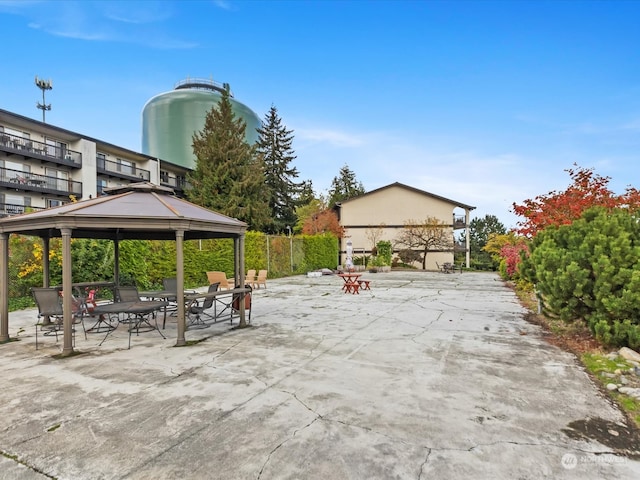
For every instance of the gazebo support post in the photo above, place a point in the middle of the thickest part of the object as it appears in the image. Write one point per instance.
(4, 287)
(46, 264)
(239, 254)
(116, 262)
(46, 269)
(180, 281)
(67, 292)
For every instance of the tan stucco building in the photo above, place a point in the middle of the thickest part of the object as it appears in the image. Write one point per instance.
(388, 208)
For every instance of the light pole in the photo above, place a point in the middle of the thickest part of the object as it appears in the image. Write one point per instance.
(290, 247)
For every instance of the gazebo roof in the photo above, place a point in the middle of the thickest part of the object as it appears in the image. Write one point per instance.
(136, 211)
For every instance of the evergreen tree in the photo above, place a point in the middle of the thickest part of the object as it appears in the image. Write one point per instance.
(274, 147)
(344, 186)
(479, 231)
(229, 176)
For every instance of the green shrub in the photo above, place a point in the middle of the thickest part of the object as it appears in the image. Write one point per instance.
(590, 269)
(385, 252)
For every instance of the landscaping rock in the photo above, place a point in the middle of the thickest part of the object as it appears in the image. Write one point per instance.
(629, 354)
(612, 355)
(611, 387)
(632, 392)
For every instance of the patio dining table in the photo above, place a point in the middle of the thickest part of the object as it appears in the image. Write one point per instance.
(138, 311)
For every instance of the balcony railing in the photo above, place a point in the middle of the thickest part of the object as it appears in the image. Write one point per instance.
(8, 209)
(459, 222)
(34, 149)
(178, 183)
(27, 181)
(122, 170)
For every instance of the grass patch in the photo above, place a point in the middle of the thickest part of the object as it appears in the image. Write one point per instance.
(604, 369)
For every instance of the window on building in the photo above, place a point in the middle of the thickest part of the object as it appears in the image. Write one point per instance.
(126, 167)
(101, 159)
(101, 185)
(14, 204)
(55, 148)
(16, 166)
(59, 179)
(54, 202)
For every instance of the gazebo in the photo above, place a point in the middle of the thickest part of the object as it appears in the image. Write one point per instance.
(139, 211)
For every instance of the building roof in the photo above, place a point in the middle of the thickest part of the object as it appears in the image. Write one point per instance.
(136, 211)
(416, 190)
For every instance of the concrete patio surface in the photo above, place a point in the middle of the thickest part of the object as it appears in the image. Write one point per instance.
(425, 376)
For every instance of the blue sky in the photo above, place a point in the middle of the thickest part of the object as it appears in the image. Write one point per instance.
(484, 102)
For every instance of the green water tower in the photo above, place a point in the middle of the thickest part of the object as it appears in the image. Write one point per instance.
(170, 119)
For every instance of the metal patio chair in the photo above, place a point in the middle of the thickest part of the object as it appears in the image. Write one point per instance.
(49, 303)
(195, 312)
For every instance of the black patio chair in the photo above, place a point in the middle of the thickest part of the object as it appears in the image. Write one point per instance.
(49, 303)
(195, 312)
(171, 285)
(126, 293)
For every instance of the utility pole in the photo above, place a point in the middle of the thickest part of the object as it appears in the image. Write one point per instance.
(43, 85)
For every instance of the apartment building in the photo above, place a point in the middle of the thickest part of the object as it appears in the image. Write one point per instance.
(43, 166)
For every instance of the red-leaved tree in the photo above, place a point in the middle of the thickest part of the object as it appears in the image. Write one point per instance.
(562, 208)
(511, 256)
(325, 221)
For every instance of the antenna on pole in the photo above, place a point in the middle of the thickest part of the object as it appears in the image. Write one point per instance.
(43, 85)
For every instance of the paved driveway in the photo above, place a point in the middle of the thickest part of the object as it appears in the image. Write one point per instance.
(427, 375)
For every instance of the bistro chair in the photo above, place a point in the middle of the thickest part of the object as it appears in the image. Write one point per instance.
(195, 312)
(128, 293)
(49, 303)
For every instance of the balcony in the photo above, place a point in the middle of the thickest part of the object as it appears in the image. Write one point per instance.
(179, 184)
(14, 145)
(122, 170)
(9, 209)
(29, 182)
(459, 222)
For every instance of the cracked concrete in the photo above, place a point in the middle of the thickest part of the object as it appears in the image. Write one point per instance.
(426, 376)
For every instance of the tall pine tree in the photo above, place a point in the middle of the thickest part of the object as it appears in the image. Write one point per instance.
(344, 186)
(274, 147)
(229, 176)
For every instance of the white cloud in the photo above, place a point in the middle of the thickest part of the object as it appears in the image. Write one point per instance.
(138, 23)
(332, 138)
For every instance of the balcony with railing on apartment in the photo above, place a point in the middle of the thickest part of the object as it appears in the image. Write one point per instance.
(9, 209)
(178, 183)
(30, 182)
(122, 170)
(459, 221)
(26, 148)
